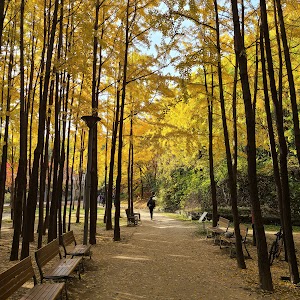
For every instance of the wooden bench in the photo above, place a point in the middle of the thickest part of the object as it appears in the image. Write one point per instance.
(68, 239)
(12, 279)
(63, 269)
(221, 228)
(230, 240)
(132, 219)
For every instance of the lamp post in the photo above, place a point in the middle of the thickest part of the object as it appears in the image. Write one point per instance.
(90, 121)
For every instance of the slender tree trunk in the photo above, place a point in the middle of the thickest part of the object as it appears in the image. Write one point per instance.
(270, 128)
(21, 193)
(262, 251)
(289, 69)
(131, 163)
(280, 94)
(72, 181)
(2, 6)
(80, 176)
(141, 182)
(112, 158)
(287, 225)
(213, 189)
(47, 213)
(5, 139)
(94, 169)
(117, 235)
(232, 183)
(106, 164)
(129, 178)
(67, 161)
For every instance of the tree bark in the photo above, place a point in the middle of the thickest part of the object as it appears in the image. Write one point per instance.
(213, 189)
(289, 70)
(23, 138)
(2, 6)
(232, 183)
(117, 235)
(287, 225)
(94, 168)
(112, 158)
(3, 165)
(262, 251)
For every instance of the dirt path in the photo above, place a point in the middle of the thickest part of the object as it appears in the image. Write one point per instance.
(160, 259)
(163, 259)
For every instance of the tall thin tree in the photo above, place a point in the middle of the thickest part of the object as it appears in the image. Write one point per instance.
(286, 209)
(262, 251)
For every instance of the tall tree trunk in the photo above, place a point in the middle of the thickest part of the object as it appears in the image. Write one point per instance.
(117, 235)
(64, 227)
(80, 176)
(280, 95)
(213, 189)
(262, 251)
(109, 199)
(270, 128)
(129, 178)
(47, 212)
(287, 224)
(43, 225)
(232, 183)
(131, 162)
(73, 164)
(5, 139)
(72, 175)
(2, 6)
(289, 69)
(21, 192)
(106, 163)
(94, 169)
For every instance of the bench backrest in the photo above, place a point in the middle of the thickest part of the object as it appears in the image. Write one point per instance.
(46, 253)
(243, 231)
(223, 223)
(203, 217)
(13, 278)
(68, 238)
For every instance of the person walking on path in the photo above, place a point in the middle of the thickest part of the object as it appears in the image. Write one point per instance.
(151, 204)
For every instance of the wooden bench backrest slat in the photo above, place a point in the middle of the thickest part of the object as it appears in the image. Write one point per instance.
(243, 231)
(13, 278)
(203, 216)
(46, 253)
(223, 223)
(68, 238)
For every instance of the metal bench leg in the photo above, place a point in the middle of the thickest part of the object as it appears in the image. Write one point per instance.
(66, 292)
(249, 256)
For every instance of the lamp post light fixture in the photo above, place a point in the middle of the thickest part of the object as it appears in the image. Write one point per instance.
(90, 121)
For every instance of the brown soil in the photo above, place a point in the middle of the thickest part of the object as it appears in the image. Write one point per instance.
(164, 259)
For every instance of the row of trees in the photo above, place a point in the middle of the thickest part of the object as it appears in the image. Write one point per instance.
(177, 84)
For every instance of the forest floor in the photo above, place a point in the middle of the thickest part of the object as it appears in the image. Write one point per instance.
(163, 259)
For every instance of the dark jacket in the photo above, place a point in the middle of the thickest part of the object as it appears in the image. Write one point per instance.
(151, 202)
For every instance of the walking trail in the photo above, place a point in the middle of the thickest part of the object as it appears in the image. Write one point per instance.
(161, 259)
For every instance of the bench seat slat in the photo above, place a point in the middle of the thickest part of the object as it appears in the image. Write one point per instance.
(45, 291)
(79, 250)
(64, 268)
